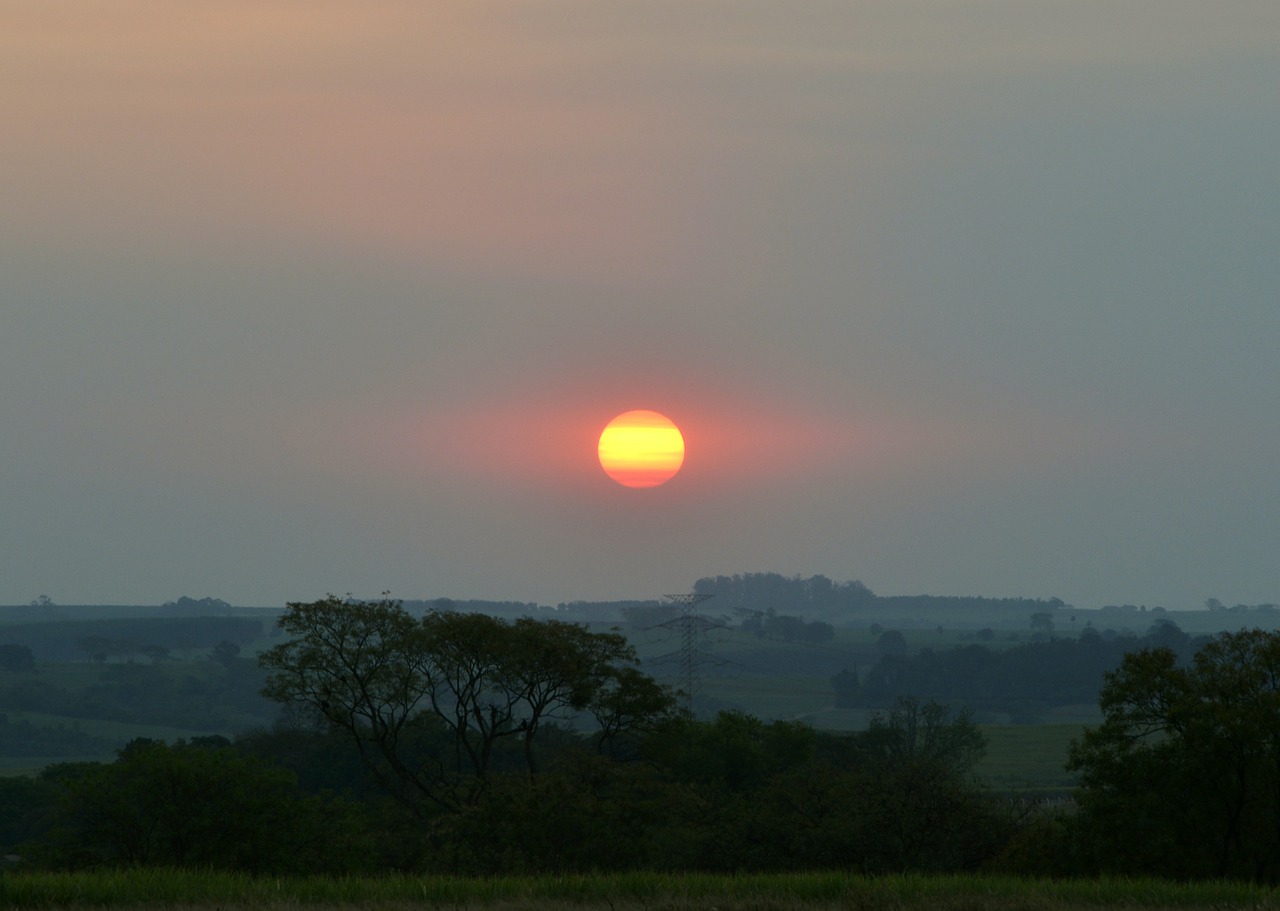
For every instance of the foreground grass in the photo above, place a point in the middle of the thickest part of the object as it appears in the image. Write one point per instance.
(653, 891)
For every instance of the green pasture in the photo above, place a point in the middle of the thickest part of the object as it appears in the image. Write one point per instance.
(1028, 757)
(652, 891)
(789, 697)
(115, 732)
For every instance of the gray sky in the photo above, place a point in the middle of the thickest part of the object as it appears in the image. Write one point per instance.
(961, 297)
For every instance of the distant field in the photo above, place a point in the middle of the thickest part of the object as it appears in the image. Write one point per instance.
(116, 730)
(112, 731)
(1028, 756)
(770, 698)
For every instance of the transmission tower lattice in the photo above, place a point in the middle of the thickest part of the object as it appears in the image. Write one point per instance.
(691, 627)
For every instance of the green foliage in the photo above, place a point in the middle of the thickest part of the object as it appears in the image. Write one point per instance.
(22, 738)
(920, 805)
(16, 658)
(26, 810)
(750, 795)
(1183, 776)
(736, 793)
(740, 795)
(628, 705)
(586, 813)
(930, 734)
(324, 761)
(195, 806)
(735, 752)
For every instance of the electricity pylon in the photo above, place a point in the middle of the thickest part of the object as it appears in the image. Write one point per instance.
(691, 627)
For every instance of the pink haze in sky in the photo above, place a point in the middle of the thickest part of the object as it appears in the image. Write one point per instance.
(972, 298)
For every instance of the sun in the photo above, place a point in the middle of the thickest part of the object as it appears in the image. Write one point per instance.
(641, 449)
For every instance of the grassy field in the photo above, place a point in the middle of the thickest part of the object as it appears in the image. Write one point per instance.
(1028, 757)
(112, 731)
(775, 697)
(650, 891)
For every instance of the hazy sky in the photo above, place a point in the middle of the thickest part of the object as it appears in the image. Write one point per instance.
(965, 297)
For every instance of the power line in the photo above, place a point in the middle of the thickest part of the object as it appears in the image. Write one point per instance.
(691, 627)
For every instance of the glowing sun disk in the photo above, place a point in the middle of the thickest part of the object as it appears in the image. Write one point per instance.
(641, 449)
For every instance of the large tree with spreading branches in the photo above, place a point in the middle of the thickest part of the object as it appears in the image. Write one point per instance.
(428, 700)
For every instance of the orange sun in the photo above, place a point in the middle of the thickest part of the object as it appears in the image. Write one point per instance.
(641, 449)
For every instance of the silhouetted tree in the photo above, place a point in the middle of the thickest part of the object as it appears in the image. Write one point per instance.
(1182, 778)
(428, 701)
(225, 653)
(891, 642)
(1042, 624)
(17, 658)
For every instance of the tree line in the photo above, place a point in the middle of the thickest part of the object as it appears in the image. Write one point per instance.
(820, 595)
(471, 744)
(123, 637)
(1021, 681)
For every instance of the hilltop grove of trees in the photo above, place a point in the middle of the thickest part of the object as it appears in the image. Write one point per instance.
(844, 602)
